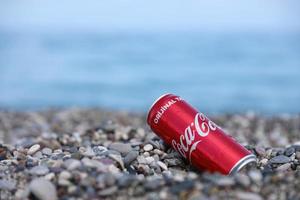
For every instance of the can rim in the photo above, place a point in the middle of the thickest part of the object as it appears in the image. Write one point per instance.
(241, 163)
(153, 104)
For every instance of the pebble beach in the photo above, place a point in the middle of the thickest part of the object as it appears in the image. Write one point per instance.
(98, 154)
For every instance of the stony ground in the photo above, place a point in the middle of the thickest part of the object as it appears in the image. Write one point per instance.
(94, 154)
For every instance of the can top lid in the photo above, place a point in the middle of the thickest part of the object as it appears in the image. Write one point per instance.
(150, 109)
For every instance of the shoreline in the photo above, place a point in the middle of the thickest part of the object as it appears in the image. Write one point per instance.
(96, 153)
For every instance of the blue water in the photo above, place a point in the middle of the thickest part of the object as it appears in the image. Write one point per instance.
(215, 72)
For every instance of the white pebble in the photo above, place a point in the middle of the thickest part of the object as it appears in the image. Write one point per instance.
(149, 159)
(162, 165)
(33, 149)
(148, 147)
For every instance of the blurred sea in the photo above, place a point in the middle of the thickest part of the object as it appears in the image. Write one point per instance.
(224, 72)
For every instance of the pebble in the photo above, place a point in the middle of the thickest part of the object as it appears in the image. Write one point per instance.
(123, 148)
(281, 159)
(243, 179)
(225, 181)
(148, 147)
(33, 149)
(39, 170)
(118, 159)
(182, 186)
(255, 176)
(247, 196)
(7, 185)
(43, 189)
(108, 191)
(131, 156)
(152, 184)
(289, 151)
(264, 161)
(141, 160)
(260, 151)
(284, 167)
(162, 165)
(149, 160)
(99, 150)
(47, 151)
(72, 164)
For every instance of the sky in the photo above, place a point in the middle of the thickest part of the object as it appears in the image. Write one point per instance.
(154, 15)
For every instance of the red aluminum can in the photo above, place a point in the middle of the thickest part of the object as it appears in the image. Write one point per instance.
(195, 137)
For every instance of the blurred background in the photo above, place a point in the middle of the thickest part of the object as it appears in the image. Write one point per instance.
(227, 56)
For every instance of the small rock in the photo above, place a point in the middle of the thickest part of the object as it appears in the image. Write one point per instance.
(260, 151)
(99, 150)
(152, 184)
(248, 196)
(284, 167)
(125, 180)
(43, 189)
(88, 152)
(123, 148)
(108, 191)
(298, 155)
(47, 151)
(289, 151)
(242, 179)
(131, 156)
(33, 149)
(162, 165)
(65, 175)
(281, 159)
(225, 181)
(7, 185)
(148, 147)
(264, 161)
(50, 176)
(72, 164)
(118, 159)
(141, 160)
(255, 176)
(183, 186)
(39, 170)
(149, 160)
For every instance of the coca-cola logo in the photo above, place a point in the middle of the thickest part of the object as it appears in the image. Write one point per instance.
(187, 144)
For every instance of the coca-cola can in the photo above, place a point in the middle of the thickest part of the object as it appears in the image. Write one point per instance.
(197, 139)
